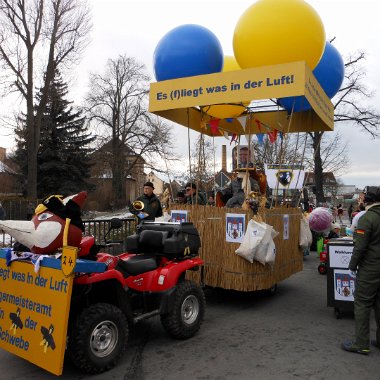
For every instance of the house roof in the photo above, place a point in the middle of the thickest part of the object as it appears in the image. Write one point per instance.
(6, 169)
(107, 147)
(328, 178)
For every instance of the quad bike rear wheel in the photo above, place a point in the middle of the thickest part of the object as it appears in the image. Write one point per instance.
(98, 338)
(187, 313)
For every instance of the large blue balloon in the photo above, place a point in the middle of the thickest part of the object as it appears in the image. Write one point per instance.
(329, 73)
(187, 50)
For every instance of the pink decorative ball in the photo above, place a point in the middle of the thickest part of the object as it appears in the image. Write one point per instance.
(320, 219)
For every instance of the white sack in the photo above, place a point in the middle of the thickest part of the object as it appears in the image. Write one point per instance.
(306, 237)
(258, 243)
(251, 239)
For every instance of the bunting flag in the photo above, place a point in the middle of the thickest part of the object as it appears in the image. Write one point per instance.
(281, 135)
(229, 120)
(234, 138)
(260, 138)
(203, 124)
(242, 120)
(273, 136)
(214, 126)
(261, 124)
(226, 135)
(258, 122)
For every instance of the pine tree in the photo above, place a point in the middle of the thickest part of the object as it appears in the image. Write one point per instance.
(64, 153)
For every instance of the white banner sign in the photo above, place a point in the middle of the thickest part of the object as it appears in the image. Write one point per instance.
(284, 176)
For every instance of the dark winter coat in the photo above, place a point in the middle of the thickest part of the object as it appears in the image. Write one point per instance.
(366, 254)
(237, 200)
(152, 206)
(195, 199)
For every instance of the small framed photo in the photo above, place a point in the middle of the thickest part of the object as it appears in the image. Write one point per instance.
(179, 216)
(235, 227)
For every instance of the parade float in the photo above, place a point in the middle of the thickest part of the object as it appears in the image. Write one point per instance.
(56, 301)
(281, 53)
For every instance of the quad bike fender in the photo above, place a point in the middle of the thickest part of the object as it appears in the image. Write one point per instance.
(168, 297)
(86, 244)
(164, 277)
(169, 275)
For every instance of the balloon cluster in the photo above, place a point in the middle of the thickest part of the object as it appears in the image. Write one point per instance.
(269, 32)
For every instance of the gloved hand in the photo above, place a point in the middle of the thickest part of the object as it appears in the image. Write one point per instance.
(142, 215)
(353, 273)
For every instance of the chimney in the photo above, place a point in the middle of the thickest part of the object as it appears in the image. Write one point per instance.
(224, 158)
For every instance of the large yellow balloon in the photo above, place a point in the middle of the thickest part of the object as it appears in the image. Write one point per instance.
(227, 111)
(230, 64)
(272, 32)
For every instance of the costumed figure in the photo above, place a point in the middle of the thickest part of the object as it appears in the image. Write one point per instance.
(54, 218)
(240, 187)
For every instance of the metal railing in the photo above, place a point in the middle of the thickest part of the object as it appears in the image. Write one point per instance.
(98, 229)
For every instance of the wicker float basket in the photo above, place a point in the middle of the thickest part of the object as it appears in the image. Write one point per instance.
(223, 268)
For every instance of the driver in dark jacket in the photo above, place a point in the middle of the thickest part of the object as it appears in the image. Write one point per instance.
(365, 261)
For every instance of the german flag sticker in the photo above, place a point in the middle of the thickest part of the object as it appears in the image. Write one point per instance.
(361, 232)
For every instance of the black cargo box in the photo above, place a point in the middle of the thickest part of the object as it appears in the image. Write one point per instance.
(172, 240)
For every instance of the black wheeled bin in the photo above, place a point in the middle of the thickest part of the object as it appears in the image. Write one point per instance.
(340, 282)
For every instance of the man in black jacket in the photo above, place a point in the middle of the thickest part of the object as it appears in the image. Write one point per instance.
(365, 263)
(152, 205)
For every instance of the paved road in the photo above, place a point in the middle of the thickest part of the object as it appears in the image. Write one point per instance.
(292, 335)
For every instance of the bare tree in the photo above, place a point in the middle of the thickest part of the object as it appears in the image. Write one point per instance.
(117, 106)
(287, 150)
(351, 106)
(202, 162)
(36, 38)
(333, 152)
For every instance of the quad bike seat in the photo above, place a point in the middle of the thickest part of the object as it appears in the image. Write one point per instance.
(138, 264)
(172, 240)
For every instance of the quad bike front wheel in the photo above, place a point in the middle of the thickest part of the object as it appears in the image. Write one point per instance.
(187, 313)
(98, 338)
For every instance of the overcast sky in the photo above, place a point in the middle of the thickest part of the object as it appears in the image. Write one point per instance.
(134, 27)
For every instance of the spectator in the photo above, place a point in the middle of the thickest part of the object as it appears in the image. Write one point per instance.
(340, 212)
(350, 210)
(181, 199)
(356, 218)
(365, 264)
(334, 232)
(211, 199)
(192, 196)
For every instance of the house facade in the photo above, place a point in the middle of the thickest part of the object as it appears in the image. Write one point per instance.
(101, 198)
(10, 186)
(330, 185)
